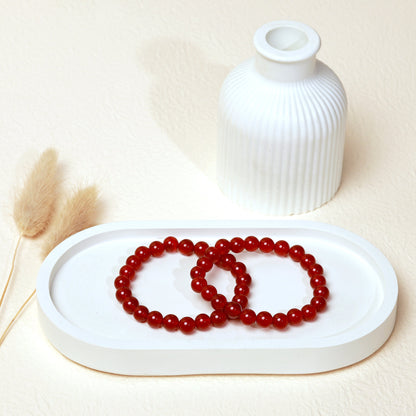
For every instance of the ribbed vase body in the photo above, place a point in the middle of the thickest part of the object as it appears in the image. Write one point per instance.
(280, 145)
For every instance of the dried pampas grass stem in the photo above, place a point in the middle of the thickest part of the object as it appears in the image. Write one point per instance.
(35, 203)
(79, 212)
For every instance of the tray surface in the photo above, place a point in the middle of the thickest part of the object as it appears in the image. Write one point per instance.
(83, 320)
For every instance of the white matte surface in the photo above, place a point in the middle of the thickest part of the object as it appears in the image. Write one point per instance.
(127, 92)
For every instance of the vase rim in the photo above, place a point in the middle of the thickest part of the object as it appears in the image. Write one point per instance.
(287, 41)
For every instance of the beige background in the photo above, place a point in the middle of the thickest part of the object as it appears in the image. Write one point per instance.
(127, 91)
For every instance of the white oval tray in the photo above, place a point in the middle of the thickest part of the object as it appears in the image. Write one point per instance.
(81, 318)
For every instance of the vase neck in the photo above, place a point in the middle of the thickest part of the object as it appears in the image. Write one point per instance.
(286, 51)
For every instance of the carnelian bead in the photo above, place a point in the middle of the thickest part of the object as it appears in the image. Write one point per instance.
(186, 247)
(143, 253)
(266, 245)
(317, 281)
(187, 325)
(223, 246)
(218, 302)
(232, 310)
(281, 248)
(130, 304)
(205, 263)
(315, 269)
(237, 245)
(248, 317)
(251, 243)
(155, 319)
(123, 293)
(296, 253)
(127, 271)
(141, 313)
(238, 269)
(227, 261)
(245, 279)
(212, 253)
(156, 248)
(308, 312)
(197, 271)
(294, 316)
(307, 261)
(208, 292)
(121, 281)
(200, 248)
(264, 319)
(321, 291)
(171, 322)
(280, 321)
(134, 262)
(218, 318)
(198, 284)
(241, 290)
(171, 244)
(202, 321)
(241, 300)
(319, 302)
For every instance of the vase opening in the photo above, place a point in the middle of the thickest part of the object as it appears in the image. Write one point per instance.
(286, 38)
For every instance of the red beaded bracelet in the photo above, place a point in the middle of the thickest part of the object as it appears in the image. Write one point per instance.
(281, 248)
(170, 322)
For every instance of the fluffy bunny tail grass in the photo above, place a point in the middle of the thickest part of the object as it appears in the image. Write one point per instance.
(79, 212)
(34, 204)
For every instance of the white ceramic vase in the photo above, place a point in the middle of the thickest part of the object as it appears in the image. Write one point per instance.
(282, 117)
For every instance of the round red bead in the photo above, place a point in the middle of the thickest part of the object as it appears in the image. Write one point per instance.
(197, 272)
(198, 284)
(308, 312)
(251, 243)
(186, 247)
(266, 245)
(208, 292)
(238, 269)
(296, 253)
(141, 313)
(121, 281)
(134, 262)
(281, 248)
(156, 248)
(264, 319)
(232, 310)
(314, 270)
(200, 248)
(319, 302)
(127, 271)
(218, 318)
(241, 300)
(248, 317)
(294, 316)
(218, 302)
(227, 261)
(205, 263)
(241, 290)
(187, 325)
(212, 253)
(237, 245)
(202, 321)
(130, 304)
(223, 246)
(307, 261)
(280, 321)
(171, 322)
(317, 281)
(171, 244)
(321, 291)
(245, 279)
(155, 319)
(123, 293)
(143, 253)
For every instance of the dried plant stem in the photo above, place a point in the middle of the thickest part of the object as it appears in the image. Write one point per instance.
(11, 269)
(11, 323)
